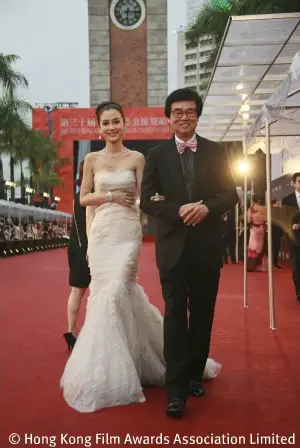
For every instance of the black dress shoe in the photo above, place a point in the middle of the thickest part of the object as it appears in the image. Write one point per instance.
(196, 389)
(176, 408)
(70, 340)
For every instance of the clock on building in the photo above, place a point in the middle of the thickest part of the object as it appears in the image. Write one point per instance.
(127, 14)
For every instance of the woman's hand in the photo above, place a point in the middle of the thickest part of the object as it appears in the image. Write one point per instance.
(123, 197)
(157, 197)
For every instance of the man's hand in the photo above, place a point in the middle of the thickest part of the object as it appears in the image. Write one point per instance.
(192, 214)
(296, 227)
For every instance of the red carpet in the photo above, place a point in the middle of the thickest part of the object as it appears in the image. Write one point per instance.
(258, 390)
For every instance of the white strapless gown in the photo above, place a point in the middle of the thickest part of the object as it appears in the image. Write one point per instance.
(120, 346)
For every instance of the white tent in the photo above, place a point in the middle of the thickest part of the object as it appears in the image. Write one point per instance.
(253, 60)
(12, 209)
(254, 96)
(280, 116)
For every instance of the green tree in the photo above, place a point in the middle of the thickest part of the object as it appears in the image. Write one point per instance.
(25, 145)
(13, 129)
(21, 143)
(43, 162)
(10, 80)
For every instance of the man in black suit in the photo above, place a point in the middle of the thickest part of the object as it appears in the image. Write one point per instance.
(229, 236)
(187, 185)
(277, 234)
(293, 200)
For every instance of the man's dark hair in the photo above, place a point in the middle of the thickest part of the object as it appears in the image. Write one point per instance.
(108, 105)
(295, 176)
(183, 95)
(257, 199)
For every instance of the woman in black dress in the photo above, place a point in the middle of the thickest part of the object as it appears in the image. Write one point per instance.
(79, 276)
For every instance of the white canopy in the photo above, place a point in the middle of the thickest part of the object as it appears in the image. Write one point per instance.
(282, 112)
(18, 210)
(279, 116)
(253, 60)
(254, 96)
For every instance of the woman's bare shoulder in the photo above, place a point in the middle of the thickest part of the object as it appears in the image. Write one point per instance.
(137, 155)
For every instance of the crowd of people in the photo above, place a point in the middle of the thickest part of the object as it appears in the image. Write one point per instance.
(15, 229)
(22, 234)
(257, 237)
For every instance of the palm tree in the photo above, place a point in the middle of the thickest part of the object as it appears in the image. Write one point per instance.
(13, 129)
(10, 80)
(213, 17)
(24, 144)
(43, 161)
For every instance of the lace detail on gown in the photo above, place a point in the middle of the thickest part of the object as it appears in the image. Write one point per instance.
(120, 346)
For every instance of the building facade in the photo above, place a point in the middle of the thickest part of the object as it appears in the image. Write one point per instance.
(193, 71)
(128, 52)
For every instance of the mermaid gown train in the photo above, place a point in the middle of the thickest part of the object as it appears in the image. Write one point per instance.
(120, 346)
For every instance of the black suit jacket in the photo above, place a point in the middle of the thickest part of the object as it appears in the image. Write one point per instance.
(291, 201)
(213, 184)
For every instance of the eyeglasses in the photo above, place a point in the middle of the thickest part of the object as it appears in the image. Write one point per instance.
(190, 113)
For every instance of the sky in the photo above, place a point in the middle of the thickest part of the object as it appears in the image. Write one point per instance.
(52, 40)
(177, 17)
(51, 37)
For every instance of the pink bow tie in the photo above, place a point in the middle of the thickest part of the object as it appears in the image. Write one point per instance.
(181, 147)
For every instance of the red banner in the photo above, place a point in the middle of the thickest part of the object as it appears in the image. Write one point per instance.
(147, 123)
(67, 125)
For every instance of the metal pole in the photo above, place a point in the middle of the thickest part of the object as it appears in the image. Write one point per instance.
(237, 232)
(269, 227)
(245, 229)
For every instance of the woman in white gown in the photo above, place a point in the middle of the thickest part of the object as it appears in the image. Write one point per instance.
(120, 346)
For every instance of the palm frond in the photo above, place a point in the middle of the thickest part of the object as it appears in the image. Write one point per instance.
(9, 78)
(42, 180)
(13, 109)
(210, 22)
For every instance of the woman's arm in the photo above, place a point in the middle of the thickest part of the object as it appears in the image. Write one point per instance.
(95, 199)
(161, 209)
(249, 216)
(86, 197)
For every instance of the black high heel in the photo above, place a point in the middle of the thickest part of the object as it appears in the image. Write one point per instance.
(70, 340)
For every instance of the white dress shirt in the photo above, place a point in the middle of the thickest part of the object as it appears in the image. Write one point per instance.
(298, 198)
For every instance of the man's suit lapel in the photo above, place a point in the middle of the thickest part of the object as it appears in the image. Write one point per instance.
(174, 162)
(293, 201)
(294, 197)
